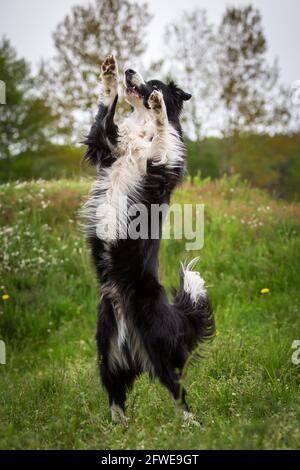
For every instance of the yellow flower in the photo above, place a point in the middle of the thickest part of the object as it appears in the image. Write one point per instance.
(5, 297)
(265, 291)
(217, 333)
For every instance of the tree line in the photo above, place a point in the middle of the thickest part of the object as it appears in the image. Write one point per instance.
(237, 93)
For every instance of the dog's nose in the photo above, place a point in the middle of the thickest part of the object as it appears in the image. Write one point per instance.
(129, 72)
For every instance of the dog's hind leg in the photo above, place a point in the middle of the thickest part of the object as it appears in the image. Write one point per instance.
(117, 383)
(171, 380)
(116, 377)
(178, 392)
(167, 375)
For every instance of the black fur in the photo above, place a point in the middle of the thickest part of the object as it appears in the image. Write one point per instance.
(128, 273)
(103, 132)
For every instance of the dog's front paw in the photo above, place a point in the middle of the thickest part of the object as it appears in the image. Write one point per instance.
(109, 67)
(156, 100)
(157, 105)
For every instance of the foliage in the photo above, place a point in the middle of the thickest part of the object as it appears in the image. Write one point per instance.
(57, 161)
(82, 40)
(250, 92)
(190, 56)
(225, 68)
(267, 162)
(26, 120)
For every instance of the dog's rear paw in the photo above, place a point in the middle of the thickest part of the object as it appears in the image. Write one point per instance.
(118, 416)
(109, 66)
(190, 419)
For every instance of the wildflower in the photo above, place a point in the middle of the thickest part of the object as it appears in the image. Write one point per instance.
(217, 333)
(265, 291)
(5, 297)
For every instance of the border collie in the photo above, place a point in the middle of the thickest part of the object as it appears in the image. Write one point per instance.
(142, 160)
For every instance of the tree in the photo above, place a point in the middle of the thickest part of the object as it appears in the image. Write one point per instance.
(251, 94)
(26, 119)
(190, 51)
(82, 40)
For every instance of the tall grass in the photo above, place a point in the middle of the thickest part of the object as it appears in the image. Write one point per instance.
(246, 389)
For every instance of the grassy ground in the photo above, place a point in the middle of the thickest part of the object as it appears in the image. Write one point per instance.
(246, 390)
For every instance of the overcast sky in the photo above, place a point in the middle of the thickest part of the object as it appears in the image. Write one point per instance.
(29, 24)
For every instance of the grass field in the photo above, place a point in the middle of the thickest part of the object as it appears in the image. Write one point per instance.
(245, 390)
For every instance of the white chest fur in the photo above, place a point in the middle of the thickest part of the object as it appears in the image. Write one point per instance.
(119, 185)
(106, 208)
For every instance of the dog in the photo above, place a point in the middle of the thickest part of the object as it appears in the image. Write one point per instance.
(143, 160)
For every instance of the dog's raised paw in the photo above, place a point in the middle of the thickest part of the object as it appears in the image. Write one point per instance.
(156, 100)
(109, 66)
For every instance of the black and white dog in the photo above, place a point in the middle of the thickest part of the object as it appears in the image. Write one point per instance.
(142, 160)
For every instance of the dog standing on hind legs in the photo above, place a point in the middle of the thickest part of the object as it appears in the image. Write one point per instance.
(141, 161)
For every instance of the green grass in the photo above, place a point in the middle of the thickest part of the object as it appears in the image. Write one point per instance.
(245, 390)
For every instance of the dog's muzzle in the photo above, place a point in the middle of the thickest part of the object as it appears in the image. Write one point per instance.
(136, 86)
(133, 81)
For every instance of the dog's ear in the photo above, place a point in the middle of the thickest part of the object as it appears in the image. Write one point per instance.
(185, 96)
(178, 92)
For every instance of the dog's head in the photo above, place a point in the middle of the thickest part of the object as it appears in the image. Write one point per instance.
(137, 93)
